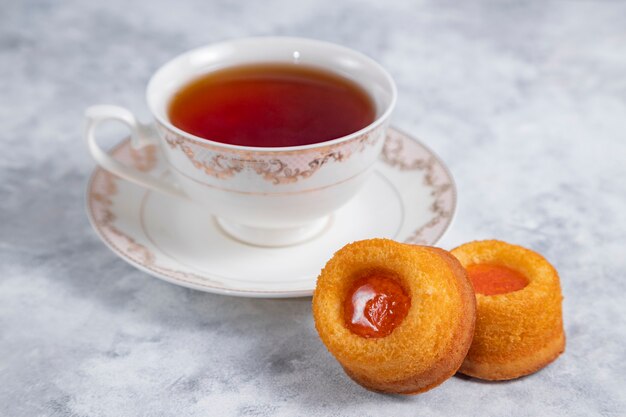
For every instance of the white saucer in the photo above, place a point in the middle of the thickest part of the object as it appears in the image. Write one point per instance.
(410, 197)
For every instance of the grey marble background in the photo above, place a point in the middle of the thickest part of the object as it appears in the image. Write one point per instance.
(526, 101)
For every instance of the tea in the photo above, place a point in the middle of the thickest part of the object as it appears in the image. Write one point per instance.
(271, 105)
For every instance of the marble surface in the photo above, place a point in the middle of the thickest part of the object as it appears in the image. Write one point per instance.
(526, 101)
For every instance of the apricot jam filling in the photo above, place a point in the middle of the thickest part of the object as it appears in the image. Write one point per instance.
(491, 279)
(375, 305)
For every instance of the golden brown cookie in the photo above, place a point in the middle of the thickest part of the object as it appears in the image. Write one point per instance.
(519, 325)
(399, 318)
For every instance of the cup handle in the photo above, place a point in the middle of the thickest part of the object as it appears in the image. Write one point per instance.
(141, 135)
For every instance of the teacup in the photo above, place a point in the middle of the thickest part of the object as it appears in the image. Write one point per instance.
(272, 196)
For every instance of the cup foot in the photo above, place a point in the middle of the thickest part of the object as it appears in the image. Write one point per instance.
(273, 237)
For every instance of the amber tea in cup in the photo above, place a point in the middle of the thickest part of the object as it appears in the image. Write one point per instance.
(271, 105)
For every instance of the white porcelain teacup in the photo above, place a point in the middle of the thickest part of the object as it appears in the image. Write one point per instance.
(263, 196)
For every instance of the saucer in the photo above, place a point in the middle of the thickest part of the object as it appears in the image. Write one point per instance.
(410, 197)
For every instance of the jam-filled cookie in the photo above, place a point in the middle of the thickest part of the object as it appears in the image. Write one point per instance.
(399, 318)
(519, 325)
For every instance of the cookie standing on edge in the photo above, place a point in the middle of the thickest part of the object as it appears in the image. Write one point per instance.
(399, 318)
(519, 324)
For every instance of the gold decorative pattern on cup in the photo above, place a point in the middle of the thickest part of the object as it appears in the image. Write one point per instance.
(276, 167)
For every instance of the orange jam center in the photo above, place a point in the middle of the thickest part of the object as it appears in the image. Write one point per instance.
(375, 306)
(495, 279)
